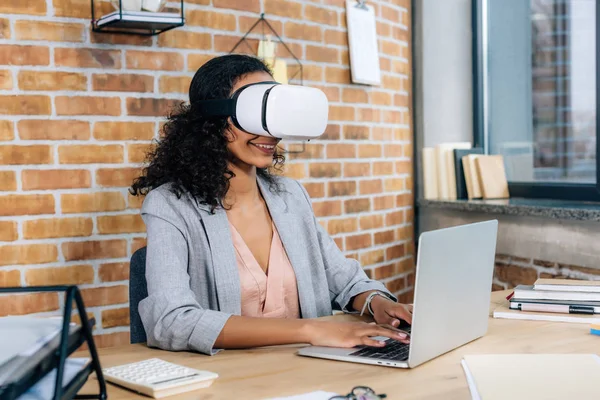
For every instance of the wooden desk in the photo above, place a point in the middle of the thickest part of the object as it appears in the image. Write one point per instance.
(276, 371)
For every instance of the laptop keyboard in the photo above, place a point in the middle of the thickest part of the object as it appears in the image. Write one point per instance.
(393, 350)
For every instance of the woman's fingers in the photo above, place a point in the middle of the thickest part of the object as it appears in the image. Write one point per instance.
(372, 342)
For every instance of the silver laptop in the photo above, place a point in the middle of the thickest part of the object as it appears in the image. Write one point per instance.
(454, 273)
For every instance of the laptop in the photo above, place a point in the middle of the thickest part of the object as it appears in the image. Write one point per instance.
(453, 284)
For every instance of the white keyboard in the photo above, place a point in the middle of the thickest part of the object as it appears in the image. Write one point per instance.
(158, 378)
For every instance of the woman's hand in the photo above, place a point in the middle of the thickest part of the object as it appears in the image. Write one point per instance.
(389, 312)
(349, 334)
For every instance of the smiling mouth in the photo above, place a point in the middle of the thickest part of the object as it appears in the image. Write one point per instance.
(264, 146)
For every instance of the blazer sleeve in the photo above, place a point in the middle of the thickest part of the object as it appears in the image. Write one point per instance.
(345, 276)
(172, 318)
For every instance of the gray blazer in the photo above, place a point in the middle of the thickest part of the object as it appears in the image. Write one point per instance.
(192, 274)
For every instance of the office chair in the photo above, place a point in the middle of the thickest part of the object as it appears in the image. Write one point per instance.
(137, 292)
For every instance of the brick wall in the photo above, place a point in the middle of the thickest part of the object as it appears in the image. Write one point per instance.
(511, 271)
(78, 111)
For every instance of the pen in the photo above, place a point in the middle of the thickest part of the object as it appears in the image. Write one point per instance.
(557, 308)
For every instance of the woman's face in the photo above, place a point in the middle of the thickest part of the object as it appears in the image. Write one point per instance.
(247, 148)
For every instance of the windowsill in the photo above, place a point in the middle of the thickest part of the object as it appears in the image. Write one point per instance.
(560, 209)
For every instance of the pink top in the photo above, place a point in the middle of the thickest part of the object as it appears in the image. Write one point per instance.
(270, 295)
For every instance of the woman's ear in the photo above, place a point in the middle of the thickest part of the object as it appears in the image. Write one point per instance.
(229, 133)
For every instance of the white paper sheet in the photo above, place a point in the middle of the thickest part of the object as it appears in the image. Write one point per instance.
(362, 41)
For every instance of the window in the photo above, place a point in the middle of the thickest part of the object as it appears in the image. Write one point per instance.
(535, 75)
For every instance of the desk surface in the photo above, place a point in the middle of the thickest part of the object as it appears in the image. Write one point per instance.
(277, 371)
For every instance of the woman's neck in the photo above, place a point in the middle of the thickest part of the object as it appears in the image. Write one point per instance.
(243, 188)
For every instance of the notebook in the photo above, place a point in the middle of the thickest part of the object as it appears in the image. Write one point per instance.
(459, 172)
(528, 292)
(445, 166)
(492, 177)
(503, 312)
(430, 174)
(471, 176)
(532, 376)
(567, 285)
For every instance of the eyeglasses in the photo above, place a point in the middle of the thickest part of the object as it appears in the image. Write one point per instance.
(360, 393)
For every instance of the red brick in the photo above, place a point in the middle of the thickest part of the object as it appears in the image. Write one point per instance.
(294, 171)
(356, 242)
(120, 39)
(369, 114)
(246, 5)
(113, 224)
(383, 168)
(20, 304)
(332, 93)
(383, 29)
(357, 169)
(386, 271)
(150, 107)
(286, 8)
(322, 54)
(321, 15)
(8, 181)
(37, 129)
(295, 30)
(7, 130)
(514, 275)
(314, 189)
(135, 202)
(341, 113)
(369, 150)
(371, 222)
(97, 249)
(341, 151)
(401, 100)
(46, 80)
(405, 199)
(327, 208)
(72, 275)
(57, 228)
(88, 105)
(109, 130)
(20, 155)
(395, 251)
(247, 22)
(114, 272)
(105, 295)
(372, 257)
(49, 31)
(357, 206)
(396, 284)
(158, 61)
(332, 132)
(8, 231)
(115, 317)
(305, 152)
(385, 134)
(174, 84)
(116, 177)
(90, 154)
(6, 80)
(137, 153)
(87, 58)
(404, 233)
(92, 202)
(325, 170)
(225, 44)
(339, 38)
(341, 188)
(80, 8)
(185, 40)
(337, 75)
(384, 237)
(345, 225)
(10, 278)
(391, 82)
(31, 7)
(24, 55)
(55, 179)
(311, 73)
(356, 132)
(111, 339)
(123, 83)
(383, 203)
(371, 186)
(28, 254)
(195, 61)
(394, 218)
(339, 242)
(24, 105)
(210, 19)
(400, 67)
(350, 95)
(394, 184)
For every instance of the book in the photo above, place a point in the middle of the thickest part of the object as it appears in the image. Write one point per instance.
(459, 172)
(492, 177)
(567, 285)
(528, 292)
(445, 165)
(532, 376)
(504, 312)
(471, 176)
(430, 174)
(557, 306)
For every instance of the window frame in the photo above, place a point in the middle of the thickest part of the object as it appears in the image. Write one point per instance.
(548, 189)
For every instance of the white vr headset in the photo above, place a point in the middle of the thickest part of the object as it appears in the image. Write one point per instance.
(271, 109)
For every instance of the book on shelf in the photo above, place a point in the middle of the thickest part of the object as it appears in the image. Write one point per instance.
(492, 176)
(567, 285)
(461, 173)
(430, 174)
(445, 167)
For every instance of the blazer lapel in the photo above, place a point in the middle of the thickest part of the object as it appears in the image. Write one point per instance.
(287, 223)
(227, 278)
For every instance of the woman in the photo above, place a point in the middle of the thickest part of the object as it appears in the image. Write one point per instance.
(235, 256)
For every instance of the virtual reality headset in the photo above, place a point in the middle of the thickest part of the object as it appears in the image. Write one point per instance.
(271, 109)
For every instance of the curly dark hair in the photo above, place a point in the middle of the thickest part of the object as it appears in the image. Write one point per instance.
(192, 154)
